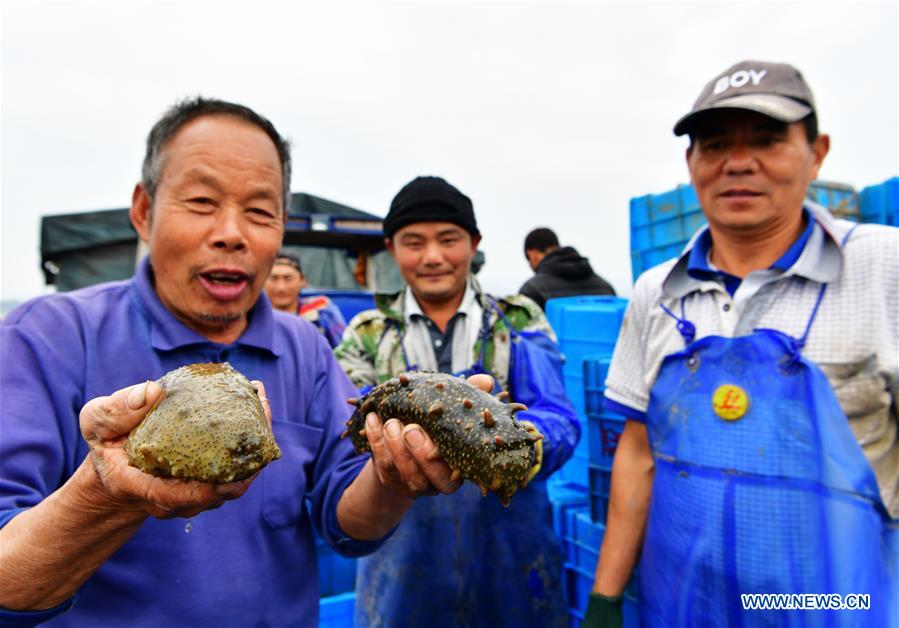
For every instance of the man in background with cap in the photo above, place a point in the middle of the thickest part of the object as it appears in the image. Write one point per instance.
(284, 287)
(758, 374)
(464, 559)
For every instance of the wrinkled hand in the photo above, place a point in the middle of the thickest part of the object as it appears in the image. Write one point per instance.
(406, 459)
(105, 425)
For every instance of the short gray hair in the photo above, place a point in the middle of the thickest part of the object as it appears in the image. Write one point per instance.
(185, 111)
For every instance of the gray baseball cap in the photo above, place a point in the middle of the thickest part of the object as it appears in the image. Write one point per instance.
(776, 90)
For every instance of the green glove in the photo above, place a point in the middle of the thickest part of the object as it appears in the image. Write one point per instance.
(603, 612)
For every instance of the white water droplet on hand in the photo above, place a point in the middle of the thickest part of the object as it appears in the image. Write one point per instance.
(188, 527)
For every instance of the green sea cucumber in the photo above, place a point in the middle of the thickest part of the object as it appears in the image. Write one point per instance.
(476, 433)
(209, 425)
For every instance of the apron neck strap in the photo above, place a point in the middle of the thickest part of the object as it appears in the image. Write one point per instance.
(686, 328)
(801, 342)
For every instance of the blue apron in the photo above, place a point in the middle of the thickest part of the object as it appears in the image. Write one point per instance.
(464, 560)
(760, 487)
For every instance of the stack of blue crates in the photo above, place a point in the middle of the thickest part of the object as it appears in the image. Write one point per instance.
(337, 584)
(841, 199)
(585, 326)
(337, 611)
(581, 556)
(880, 203)
(336, 573)
(662, 224)
(603, 431)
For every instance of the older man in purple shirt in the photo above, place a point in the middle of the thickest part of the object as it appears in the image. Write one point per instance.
(87, 539)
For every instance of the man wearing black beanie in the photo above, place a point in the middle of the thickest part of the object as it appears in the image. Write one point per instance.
(461, 559)
(430, 199)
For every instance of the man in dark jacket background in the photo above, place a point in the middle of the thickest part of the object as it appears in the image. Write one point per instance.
(560, 271)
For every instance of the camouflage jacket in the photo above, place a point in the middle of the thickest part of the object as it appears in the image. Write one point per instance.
(370, 352)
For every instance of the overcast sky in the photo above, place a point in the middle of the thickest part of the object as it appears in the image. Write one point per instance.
(544, 113)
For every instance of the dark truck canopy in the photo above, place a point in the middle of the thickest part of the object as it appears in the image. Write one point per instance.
(340, 247)
(81, 249)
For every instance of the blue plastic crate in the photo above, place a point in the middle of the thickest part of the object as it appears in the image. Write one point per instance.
(652, 208)
(603, 433)
(576, 350)
(588, 532)
(604, 429)
(880, 203)
(582, 539)
(349, 302)
(336, 611)
(596, 368)
(574, 388)
(630, 615)
(585, 325)
(643, 260)
(842, 200)
(594, 318)
(336, 573)
(583, 550)
(578, 583)
(662, 224)
(575, 470)
(563, 497)
(582, 449)
(568, 531)
(581, 554)
(562, 493)
(600, 479)
(575, 618)
(675, 229)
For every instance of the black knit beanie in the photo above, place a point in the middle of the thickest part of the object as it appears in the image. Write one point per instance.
(430, 199)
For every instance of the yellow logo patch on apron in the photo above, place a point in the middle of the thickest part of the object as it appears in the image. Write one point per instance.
(730, 402)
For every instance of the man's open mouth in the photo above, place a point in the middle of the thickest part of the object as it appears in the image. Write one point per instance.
(225, 278)
(224, 285)
(740, 194)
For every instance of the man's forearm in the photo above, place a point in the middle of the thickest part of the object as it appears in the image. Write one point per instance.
(368, 510)
(49, 551)
(632, 476)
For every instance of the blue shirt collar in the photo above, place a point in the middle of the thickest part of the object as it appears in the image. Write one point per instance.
(698, 266)
(815, 255)
(168, 333)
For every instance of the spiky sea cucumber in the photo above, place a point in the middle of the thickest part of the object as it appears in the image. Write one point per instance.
(476, 433)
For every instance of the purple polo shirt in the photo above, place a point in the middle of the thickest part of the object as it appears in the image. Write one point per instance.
(250, 562)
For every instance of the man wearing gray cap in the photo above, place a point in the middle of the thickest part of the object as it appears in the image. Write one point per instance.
(758, 373)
